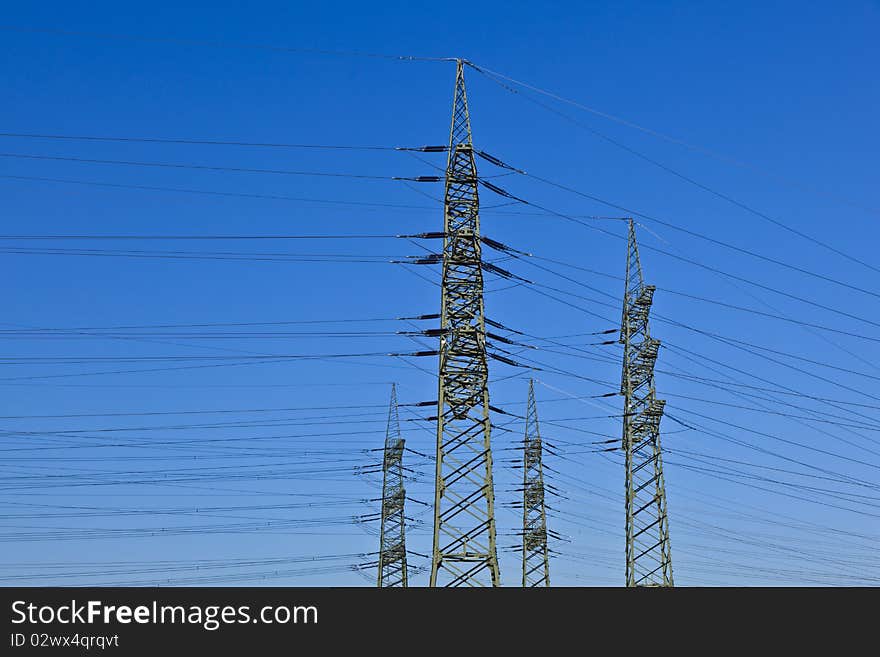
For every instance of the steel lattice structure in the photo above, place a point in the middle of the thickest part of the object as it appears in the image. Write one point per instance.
(464, 550)
(392, 536)
(535, 556)
(648, 553)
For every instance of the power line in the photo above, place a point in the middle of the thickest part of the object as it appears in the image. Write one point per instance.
(203, 167)
(699, 298)
(183, 367)
(699, 264)
(241, 257)
(205, 192)
(694, 297)
(200, 142)
(709, 239)
(117, 327)
(810, 188)
(222, 44)
(196, 237)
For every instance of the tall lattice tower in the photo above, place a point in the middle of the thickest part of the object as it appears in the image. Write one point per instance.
(464, 552)
(648, 554)
(392, 539)
(535, 557)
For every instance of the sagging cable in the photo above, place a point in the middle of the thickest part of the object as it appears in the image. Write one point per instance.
(422, 149)
(501, 192)
(430, 259)
(498, 163)
(424, 236)
(430, 316)
(495, 269)
(499, 246)
(428, 333)
(501, 326)
(508, 361)
(418, 178)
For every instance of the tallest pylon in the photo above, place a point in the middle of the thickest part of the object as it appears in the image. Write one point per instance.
(648, 553)
(464, 551)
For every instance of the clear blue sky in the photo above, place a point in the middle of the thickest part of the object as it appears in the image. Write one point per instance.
(777, 103)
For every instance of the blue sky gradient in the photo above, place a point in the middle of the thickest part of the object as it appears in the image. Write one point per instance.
(772, 105)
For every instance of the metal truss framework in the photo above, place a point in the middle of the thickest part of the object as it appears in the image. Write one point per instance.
(535, 557)
(648, 553)
(392, 536)
(464, 550)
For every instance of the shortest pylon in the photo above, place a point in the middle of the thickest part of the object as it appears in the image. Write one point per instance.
(392, 540)
(535, 557)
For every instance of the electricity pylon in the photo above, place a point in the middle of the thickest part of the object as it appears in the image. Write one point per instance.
(464, 552)
(535, 558)
(648, 553)
(392, 540)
